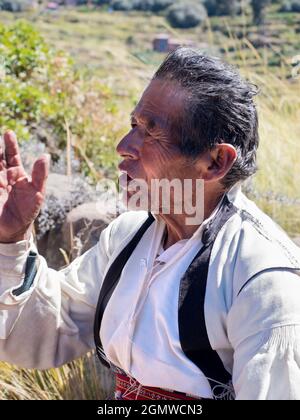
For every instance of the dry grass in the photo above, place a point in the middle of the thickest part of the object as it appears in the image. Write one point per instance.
(83, 379)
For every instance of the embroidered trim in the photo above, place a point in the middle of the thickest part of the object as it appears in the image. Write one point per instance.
(222, 391)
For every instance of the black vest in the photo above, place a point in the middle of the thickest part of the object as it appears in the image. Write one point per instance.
(192, 328)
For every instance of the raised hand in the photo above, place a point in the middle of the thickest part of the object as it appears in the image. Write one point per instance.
(20, 197)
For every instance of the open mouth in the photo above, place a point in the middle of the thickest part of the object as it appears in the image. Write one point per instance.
(124, 180)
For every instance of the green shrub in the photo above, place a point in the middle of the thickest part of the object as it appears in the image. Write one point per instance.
(23, 52)
(186, 14)
(40, 91)
(123, 5)
(143, 5)
(222, 7)
(13, 5)
(159, 5)
(23, 48)
(291, 6)
(152, 5)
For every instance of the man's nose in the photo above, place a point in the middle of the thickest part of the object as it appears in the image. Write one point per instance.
(129, 146)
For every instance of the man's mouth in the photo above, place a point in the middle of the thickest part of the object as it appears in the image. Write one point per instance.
(124, 173)
(127, 176)
(124, 179)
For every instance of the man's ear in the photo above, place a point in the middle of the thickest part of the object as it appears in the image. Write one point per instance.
(217, 162)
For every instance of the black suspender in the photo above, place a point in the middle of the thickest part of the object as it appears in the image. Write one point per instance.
(110, 281)
(191, 319)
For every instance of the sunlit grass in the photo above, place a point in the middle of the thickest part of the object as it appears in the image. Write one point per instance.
(83, 379)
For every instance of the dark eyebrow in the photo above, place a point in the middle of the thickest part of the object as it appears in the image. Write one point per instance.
(150, 122)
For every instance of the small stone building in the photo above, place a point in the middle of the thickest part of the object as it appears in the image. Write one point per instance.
(164, 43)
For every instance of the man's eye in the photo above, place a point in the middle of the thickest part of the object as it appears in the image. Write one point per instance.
(133, 125)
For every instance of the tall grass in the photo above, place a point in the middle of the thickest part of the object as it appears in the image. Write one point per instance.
(277, 182)
(276, 186)
(83, 379)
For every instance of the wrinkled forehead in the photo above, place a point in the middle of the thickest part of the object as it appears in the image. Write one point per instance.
(162, 102)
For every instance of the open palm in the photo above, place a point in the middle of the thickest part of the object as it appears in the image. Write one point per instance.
(20, 197)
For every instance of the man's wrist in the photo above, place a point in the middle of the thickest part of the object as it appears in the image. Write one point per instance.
(18, 238)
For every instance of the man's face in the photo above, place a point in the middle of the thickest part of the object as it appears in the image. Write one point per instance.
(150, 149)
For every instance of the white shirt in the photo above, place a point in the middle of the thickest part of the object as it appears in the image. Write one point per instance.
(149, 330)
(256, 334)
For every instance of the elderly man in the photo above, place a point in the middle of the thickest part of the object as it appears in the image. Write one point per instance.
(178, 310)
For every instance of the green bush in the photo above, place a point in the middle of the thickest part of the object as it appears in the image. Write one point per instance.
(23, 48)
(186, 14)
(143, 5)
(222, 7)
(152, 5)
(123, 5)
(12, 5)
(159, 5)
(290, 6)
(24, 57)
(40, 91)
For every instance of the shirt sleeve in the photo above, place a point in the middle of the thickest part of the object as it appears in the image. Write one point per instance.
(50, 322)
(264, 329)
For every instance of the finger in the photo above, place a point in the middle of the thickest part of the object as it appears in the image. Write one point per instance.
(2, 165)
(14, 174)
(12, 154)
(3, 180)
(40, 173)
(2, 159)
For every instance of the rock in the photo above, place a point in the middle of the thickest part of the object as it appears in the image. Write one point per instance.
(83, 227)
(90, 211)
(59, 186)
(59, 189)
(80, 231)
(66, 228)
(48, 246)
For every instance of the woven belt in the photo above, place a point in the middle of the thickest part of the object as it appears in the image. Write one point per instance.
(129, 389)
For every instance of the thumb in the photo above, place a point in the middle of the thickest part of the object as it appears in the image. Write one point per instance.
(40, 172)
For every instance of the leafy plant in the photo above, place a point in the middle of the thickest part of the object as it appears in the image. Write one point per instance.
(186, 14)
(290, 6)
(124, 5)
(40, 90)
(23, 49)
(222, 7)
(14, 5)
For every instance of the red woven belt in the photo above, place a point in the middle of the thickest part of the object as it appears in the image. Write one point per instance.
(129, 389)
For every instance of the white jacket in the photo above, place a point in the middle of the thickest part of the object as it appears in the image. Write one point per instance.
(252, 306)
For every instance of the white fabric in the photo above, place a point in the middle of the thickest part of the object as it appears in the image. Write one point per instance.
(145, 326)
(256, 332)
